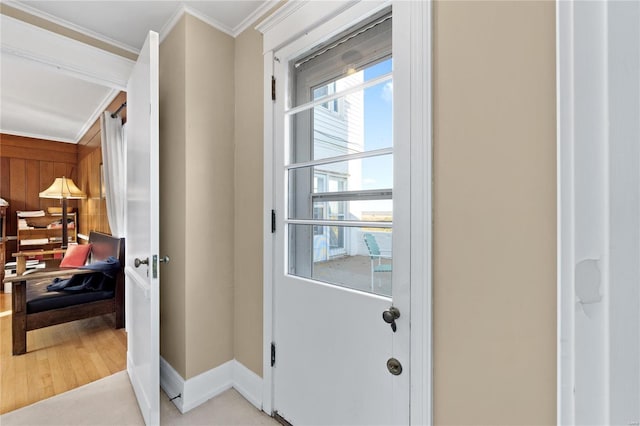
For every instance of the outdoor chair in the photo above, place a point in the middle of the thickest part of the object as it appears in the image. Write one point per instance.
(376, 257)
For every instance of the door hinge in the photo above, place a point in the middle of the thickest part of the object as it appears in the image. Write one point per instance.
(273, 354)
(273, 88)
(273, 221)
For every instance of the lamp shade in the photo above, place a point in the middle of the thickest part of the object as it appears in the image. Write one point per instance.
(63, 188)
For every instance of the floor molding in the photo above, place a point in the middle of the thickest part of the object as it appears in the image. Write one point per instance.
(199, 389)
(248, 384)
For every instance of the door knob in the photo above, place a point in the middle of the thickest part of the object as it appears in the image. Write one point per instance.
(164, 259)
(137, 262)
(390, 315)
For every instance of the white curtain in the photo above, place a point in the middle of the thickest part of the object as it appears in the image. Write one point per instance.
(114, 168)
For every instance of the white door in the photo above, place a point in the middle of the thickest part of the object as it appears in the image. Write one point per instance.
(336, 361)
(143, 279)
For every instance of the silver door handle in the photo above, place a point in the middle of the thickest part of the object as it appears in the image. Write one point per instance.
(137, 262)
(165, 259)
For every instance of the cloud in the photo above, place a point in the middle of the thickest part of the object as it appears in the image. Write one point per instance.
(387, 92)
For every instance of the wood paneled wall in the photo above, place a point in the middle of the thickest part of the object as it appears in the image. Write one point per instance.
(93, 210)
(27, 167)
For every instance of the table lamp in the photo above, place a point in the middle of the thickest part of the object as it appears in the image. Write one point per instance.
(63, 189)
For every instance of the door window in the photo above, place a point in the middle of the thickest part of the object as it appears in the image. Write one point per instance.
(340, 170)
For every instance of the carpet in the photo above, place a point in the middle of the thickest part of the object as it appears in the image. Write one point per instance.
(111, 401)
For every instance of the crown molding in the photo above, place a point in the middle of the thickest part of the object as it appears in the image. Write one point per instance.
(210, 21)
(172, 22)
(280, 15)
(254, 16)
(96, 114)
(69, 25)
(36, 136)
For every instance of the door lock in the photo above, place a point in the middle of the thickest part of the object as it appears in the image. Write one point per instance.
(390, 315)
(394, 366)
(137, 262)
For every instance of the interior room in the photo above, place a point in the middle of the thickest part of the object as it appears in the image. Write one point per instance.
(320, 212)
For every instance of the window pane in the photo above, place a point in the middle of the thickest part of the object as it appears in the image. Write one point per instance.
(358, 122)
(373, 175)
(357, 258)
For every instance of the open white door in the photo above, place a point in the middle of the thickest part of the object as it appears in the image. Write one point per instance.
(142, 272)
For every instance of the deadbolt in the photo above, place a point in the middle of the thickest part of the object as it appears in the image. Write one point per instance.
(394, 366)
(390, 315)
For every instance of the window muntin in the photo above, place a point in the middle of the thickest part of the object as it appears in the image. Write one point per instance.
(339, 161)
(360, 121)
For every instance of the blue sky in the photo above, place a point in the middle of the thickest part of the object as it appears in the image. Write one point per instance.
(378, 128)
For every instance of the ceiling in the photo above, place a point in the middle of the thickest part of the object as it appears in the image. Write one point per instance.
(42, 98)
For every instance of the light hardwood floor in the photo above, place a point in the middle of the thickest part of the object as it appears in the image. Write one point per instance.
(58, 358)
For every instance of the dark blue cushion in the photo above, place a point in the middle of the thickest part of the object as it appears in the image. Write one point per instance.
(39, 299)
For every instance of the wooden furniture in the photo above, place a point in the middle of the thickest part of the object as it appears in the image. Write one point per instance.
(46, 255)
(43, 232)
(3, 239)
(27, 292)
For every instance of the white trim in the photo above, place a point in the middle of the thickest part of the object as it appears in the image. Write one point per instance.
(254, 16)
(172, 22)
(421, 212)
(181, 11)
(96, 113)
(65, 55)
(290, 26)
(565, 357)
(209, 20)
(233, 32)
(201, 388)
(36, 136)
(278, 16)
(171, 383)
(340, 158)
(341, 94)
(268, 240)
(77, 28)
(327, 222)
(248, 384)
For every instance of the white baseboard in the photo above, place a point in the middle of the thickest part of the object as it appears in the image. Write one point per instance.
(209, 384)
(248, 384)
(171, 383)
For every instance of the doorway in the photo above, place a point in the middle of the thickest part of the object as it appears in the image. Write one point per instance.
(340, 346)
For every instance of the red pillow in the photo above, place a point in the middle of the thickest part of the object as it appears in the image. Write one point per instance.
(75, 256)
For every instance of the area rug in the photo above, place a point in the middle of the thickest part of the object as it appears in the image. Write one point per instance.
(111, 401)
(108, 401)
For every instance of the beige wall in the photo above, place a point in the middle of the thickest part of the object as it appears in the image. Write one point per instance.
(209, 199)
(249, 209)
(494, 200)
(173, 240)
(196, 150)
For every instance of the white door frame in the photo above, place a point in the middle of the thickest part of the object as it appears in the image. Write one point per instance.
(593, 231)
(307, 21)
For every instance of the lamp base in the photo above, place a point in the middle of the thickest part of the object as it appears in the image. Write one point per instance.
(65, 232)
